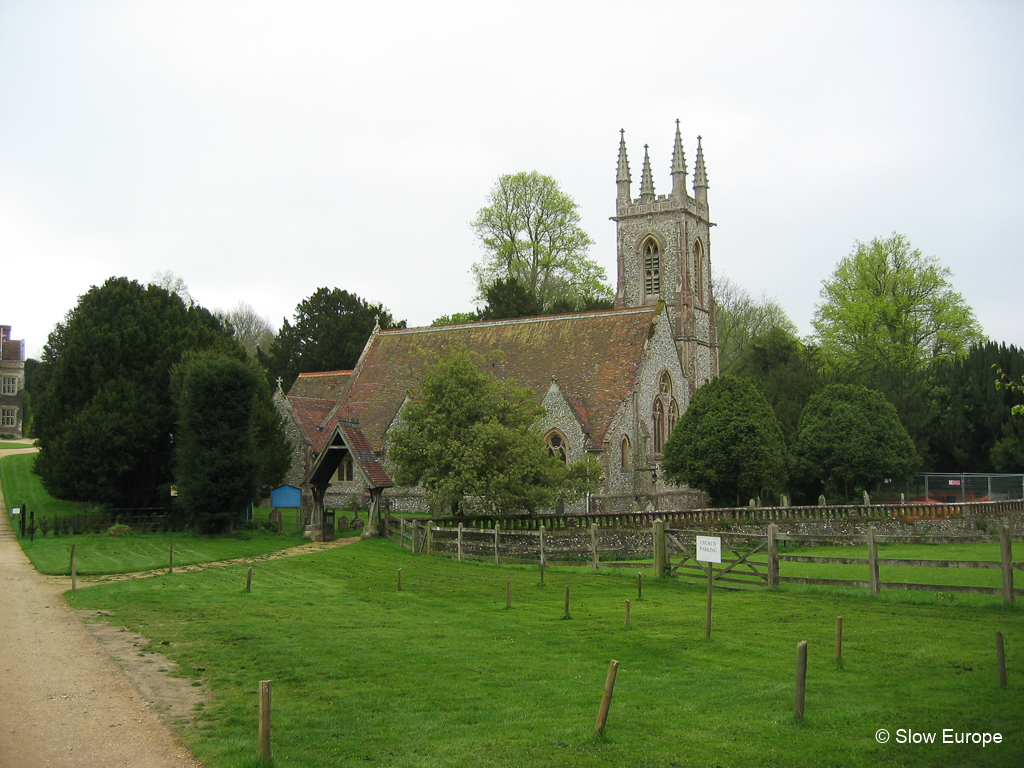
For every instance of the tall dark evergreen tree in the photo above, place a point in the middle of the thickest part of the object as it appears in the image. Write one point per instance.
(972, 417)
(104, 416)
(850, 437)
(329, 332)
(216, 465)
(728, 443)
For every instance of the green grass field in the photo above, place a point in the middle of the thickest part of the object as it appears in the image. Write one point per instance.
(441, 674)
(21, 486)
(97, 554)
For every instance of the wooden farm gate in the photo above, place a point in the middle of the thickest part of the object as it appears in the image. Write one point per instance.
(738, 564)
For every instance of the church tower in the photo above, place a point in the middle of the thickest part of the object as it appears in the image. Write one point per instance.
(664, 255)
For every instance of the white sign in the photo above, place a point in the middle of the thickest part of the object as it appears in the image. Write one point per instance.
(709, 549)
(16, 510)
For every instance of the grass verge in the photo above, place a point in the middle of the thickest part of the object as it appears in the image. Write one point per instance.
(442, 674)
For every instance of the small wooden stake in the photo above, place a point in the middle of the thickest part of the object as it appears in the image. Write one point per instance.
(639, 585)
(839, 639)
(264, 727)
(399, 579)
(566, 603)
(801, 679)
(248, 580)
(542, 572)
(170, 559)
(606, 699)
(627, 613)
(1001, 659)
(707, 620)
(508, 592)
(74, 579)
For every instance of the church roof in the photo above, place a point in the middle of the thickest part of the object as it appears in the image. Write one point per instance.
(311, 412)
(594, 357)
(320, 384)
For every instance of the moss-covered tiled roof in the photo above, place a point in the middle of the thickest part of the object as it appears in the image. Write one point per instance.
(595, 358)
(327, 385)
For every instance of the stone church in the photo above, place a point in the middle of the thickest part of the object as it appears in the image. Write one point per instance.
(613, 382)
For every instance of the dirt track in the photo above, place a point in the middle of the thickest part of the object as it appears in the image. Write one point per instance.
(63, 701)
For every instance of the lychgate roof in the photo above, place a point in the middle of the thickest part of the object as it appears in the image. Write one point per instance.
(595, 358)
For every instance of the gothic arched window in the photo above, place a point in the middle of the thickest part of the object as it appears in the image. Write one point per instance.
(652, 266)
(624, 458)
(698, 272)
(659, 425)
(665, 413)
(557, 447)
(345, 472)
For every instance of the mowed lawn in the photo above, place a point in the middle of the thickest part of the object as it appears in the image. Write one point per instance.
(100, 553)
(442, 674)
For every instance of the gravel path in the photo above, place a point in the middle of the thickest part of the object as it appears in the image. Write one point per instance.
(63, 701)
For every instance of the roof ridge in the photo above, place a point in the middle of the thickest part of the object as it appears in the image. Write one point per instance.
(522, 320)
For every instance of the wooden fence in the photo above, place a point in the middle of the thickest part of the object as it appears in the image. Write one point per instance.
(748, 560)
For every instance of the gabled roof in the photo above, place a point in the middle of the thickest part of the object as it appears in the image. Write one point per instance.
(328, 385)
(595, 358)
(346, 437)
(310, 413)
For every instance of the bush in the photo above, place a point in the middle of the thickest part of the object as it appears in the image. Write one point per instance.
(120, 530)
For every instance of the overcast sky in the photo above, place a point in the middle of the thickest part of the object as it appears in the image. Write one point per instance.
(263, 150)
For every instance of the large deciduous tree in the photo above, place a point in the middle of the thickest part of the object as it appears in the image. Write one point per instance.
(741, 318)
(531, 235)
(728, 443)
(103, 410)
(216, 466)
(469, 439)
(329, 332)
(251, 329)
(888, 307)
(850, 437)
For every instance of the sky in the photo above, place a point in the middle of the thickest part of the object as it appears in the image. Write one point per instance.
(261, 150)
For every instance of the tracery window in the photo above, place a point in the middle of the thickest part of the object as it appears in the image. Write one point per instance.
(556, 445)
(659, 425)
(665, 413)
(652, 266)
(698, 272)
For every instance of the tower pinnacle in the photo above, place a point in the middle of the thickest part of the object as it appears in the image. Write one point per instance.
(646, 179)
(700, 176)
(622, 177)
(678, 167)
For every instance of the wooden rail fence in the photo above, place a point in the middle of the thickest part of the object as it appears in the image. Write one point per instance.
(748, 560)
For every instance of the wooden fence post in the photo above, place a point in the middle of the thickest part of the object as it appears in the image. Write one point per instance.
(460, 542)
(593, 544)
(606, 699)
(658, 530)
(801, 679)
(399, 579)
(74, 576)
(627, 614)
(773, 555)
(839, 639)
(248, 580)
(508, 592)
(707, 619)
(1006, 556)
(497, 529)
(639, 585)
(401, 531)
(566, 616)
(170, 560)
(1001, 659)
(430, 537)
(264, 727)
(872, 560)
(543, 557)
